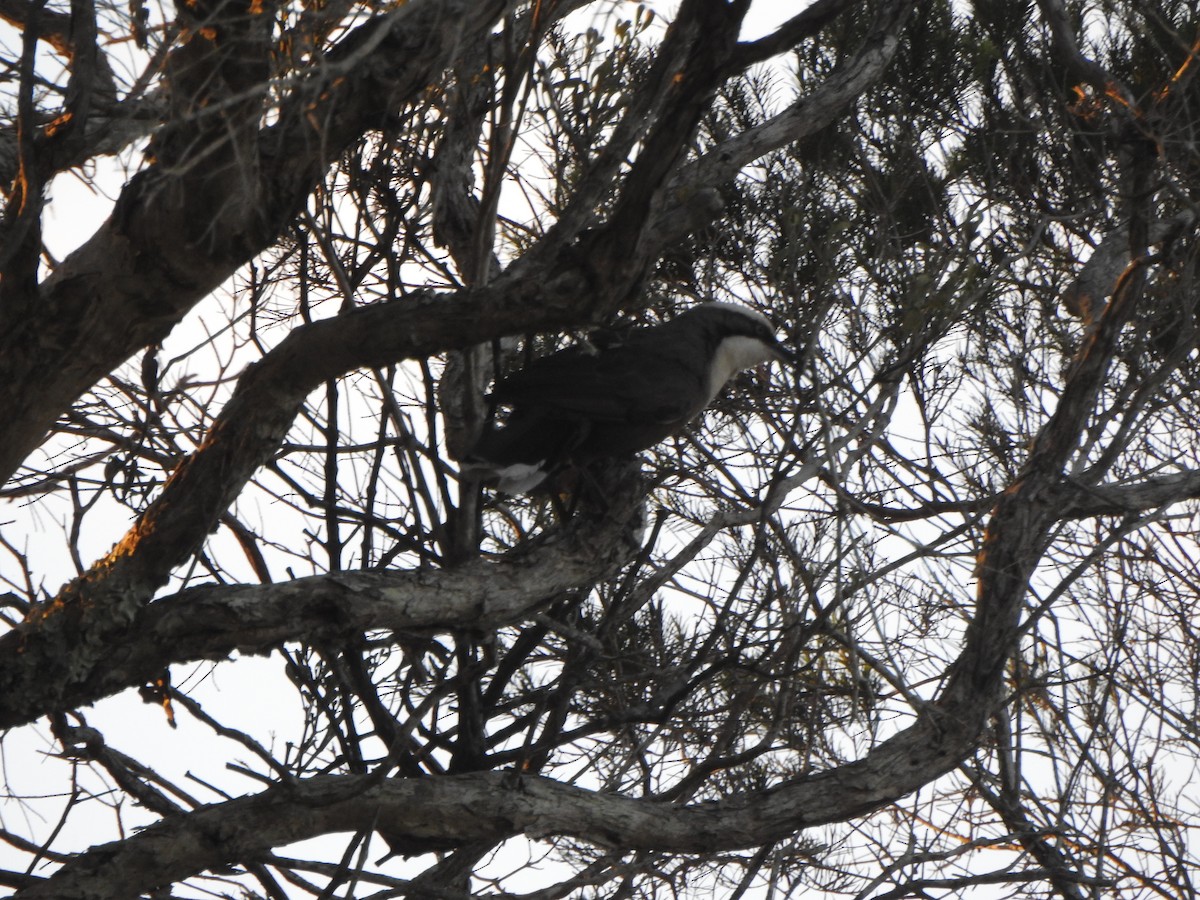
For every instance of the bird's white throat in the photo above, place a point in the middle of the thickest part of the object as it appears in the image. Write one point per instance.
(734, 354)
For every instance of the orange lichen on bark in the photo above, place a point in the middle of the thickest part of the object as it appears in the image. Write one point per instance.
(58, 123)
(1179, 73)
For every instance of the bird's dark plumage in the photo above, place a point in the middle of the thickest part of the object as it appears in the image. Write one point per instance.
(584, 403)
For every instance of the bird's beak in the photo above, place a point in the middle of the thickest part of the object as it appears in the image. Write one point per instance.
(780, 353)
(784, 354)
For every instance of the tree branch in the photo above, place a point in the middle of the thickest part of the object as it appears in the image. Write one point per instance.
(690, 190)
(213, 621)
(423, 815)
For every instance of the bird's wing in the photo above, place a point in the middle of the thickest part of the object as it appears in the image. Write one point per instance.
(627, 382)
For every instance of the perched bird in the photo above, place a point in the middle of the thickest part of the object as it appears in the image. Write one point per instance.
(587, 402)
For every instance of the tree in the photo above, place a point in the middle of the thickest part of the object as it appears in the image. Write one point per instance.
(914, 617)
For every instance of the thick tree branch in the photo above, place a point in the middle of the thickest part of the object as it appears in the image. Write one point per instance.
(663, 116)
(1080, 67)
(422, 815)
(213, 621)
(110, 129)
(805, 24)
(1097, 278)
(1077, 501)
(691, 191)
(1017, 534)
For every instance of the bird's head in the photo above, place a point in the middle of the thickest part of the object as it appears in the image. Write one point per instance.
(740, 337)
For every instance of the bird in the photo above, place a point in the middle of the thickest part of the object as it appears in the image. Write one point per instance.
(614, 399)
